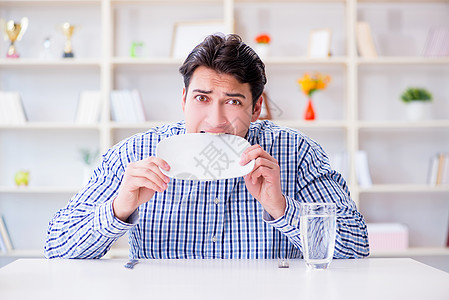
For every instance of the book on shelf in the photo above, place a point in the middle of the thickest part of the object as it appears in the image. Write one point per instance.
(362, 169)
(340, 163)
(365, 41)
(89, 107)
(437, 42)
(11, 108)
(439, 169)
(447, 241)
(4, 236)
(3, 248)
(127, 106)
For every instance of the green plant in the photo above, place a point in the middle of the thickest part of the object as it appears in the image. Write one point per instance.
(416, 94)
(88, 156)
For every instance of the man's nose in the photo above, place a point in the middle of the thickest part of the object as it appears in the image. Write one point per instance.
(216, 115)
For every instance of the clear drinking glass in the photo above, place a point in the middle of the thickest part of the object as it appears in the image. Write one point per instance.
(318, 230)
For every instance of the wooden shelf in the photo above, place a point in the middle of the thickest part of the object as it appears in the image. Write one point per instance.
(39, 189)
(383, 60)
(306, 1)
(145, 125)
(49, 2)
(115, 2)
(128, 61)
(298, 60)
(30, 62)
(404, 188)
(312, 124)
(51, 126)
(436, 251)
(430, 124)
(402, 1)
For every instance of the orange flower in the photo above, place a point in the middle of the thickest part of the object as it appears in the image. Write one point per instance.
(310, 84)
(263, 38)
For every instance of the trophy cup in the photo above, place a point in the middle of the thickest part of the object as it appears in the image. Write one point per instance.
(68, 29)
(14, 32)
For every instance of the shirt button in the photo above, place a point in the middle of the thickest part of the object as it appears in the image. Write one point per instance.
(214, 239)
(216, 201)
(295, 222)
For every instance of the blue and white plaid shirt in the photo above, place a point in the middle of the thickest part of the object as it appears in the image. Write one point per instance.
(215, 219)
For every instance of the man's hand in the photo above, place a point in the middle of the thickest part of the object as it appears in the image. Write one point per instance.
(141, 180)
(264, 180)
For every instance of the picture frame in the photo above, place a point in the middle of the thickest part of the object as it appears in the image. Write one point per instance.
(319, 43)
(188, 34)
(265, 113)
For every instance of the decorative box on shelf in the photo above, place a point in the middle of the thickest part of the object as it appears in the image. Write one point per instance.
(387, 236)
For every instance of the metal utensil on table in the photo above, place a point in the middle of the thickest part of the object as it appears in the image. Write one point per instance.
(131, 263)
(283, 263)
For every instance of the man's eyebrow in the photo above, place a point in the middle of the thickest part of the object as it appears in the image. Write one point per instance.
(236, 95)
(202, 91)
(227, 94)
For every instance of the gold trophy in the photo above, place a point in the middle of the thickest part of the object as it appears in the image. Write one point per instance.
(14, 32)
(68, 29)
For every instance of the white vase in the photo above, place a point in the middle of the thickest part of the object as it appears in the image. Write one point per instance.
(87, 173)
(418, 110)
(263, 50)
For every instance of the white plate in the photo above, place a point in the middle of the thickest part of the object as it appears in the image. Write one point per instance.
(203, 156)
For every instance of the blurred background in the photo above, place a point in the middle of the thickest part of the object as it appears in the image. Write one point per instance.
(67, 95)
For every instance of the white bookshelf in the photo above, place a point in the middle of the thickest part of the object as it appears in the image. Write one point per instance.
(40, 190)
(360, 109)
(403, 60)
(404, 124)
(413, 252)
(403, 188)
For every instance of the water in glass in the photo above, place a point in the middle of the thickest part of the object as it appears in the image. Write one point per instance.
(318, 227)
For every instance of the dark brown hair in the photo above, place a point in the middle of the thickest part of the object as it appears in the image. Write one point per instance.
(227, 54)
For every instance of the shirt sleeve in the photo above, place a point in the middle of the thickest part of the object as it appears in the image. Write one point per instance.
(87, 227)
(352, 237)
(317, 182)
(288, 224)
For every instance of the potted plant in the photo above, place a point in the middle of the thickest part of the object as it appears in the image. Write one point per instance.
(417, 101)
(88, 157)
(262, 45)
(310, 84)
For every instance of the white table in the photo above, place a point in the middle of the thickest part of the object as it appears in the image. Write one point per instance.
(221, 279)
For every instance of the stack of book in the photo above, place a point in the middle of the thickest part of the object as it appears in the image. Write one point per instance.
(89, 107)
(340, 163)
(439, 169)
(437, 43)
(11, 109)
(5, 241)
(127, 106)
(362, 169)
(365, 40)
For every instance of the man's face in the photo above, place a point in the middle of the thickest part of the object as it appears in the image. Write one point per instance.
(218, 103)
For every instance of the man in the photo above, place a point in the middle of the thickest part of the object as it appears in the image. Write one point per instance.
(255, 216)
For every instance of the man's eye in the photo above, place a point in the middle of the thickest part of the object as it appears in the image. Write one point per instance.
(234, 102)
(201, 98)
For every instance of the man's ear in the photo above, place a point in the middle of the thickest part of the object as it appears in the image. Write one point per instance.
(257, 109)
(183, 99)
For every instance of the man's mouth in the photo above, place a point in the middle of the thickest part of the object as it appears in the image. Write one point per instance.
(213, 133)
